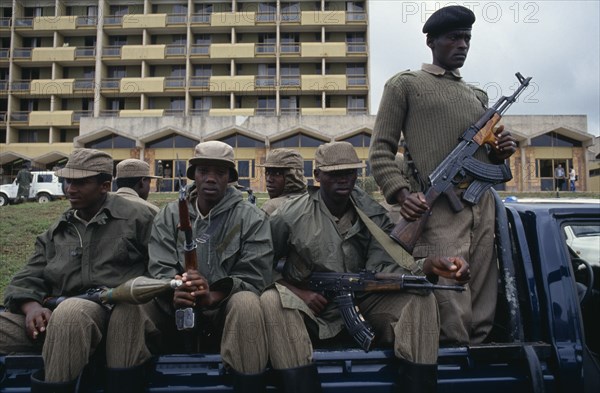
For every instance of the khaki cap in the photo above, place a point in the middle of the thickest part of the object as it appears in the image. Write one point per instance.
(86, 163)
(132, 167)
(337, 156)
(213, 152)
(284, 158)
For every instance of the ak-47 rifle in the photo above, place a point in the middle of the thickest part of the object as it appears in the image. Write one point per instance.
(185, 318)
(460, 165)
(341, 287)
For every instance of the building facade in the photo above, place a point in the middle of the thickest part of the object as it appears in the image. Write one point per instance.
(151, 78)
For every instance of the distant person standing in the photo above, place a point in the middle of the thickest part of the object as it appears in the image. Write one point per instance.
(559, 177)
(24, 182)
(159, 175)
(572, 179)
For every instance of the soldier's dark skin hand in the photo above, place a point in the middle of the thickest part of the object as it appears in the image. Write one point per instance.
(314, 300)
(505, 145)
(36, 318)
(195, 291)
(412, 205)
(454, 268)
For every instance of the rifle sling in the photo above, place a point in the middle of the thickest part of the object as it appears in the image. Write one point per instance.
(394, 250)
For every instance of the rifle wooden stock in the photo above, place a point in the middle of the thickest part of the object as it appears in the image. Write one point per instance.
(406, 233)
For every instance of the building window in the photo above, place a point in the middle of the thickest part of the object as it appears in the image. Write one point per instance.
(111, 142)
(308, 172)
(298, 140)
(359, 140)
(239, 140)
(356, 105)
(555, 140)
(171, 142)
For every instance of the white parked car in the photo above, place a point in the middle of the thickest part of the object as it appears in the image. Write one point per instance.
(45, 186)
(584, 240)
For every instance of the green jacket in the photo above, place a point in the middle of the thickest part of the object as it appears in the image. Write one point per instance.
(305, 232)
(70, 258)
(237, 256)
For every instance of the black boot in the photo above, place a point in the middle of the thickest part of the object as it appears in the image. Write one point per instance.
(303, 379)
(417, 378)
(249, 383)
(126, 380)
(39, 385)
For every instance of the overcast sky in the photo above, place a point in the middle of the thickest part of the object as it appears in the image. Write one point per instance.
(555, 42)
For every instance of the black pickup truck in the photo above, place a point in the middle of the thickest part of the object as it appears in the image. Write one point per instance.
(545, 339)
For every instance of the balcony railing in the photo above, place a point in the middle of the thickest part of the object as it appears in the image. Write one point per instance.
(200, 49)
(20, 85)
(199, 112)
(174, 112)
(292, 16)
(110, 83)
(264, 81)
(174, 82)
(113, 20)
(356, 47)
(290, 111)
(3, 116)
(176, 19)
(264, 48)
(83, 84)
(201, 18)
(86, 21)
(24, 22)
(289, 80)
(111, 51)
(356, 80)
(77, 115)
(266, 16)
(290, 48)
(4, 22)
(354, 16)
(22, 53)
(200, 81)
(356, 111)
(175, 50)
(265, 112)
(3, 85)
(19, 117)
(4, 53)
(85, 51)
(109, 113)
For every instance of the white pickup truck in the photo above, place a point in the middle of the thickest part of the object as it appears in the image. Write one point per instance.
(45, 186)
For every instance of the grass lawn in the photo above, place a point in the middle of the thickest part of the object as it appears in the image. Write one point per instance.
(20, 224)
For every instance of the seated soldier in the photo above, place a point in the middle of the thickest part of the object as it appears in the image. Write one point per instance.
(102, 240)
(322, 231)
(284, 172)
(133, 182)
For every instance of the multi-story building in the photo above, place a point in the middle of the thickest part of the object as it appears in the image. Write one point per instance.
(151, 78)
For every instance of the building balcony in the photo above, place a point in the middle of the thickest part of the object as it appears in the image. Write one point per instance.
(77, 115)
(265, 112)
(232, 51)
(239, 83)
(323, 112)
(265, 81)
(201, 18)
(356, 48)
(174, 112)
(86, 21)
(175, 50)
(51, 118)
(290, 81)
(4, 53)
(111, 51)
(46, 87)
(54, 23)
(233, 19)
(265, 17)
(110, 83)
(357, 111)
(289, 111)
(291, 17)
(356, 17)
(141, 112)
(20, 86)
(174, 82)
(22, 53)
(323, 49)
(199, 111)
(109, 113)
(136, 21)
(3, 116)
(5, 22)
(323, 18)
(24, 23)
(19, 117)
(83, 52)
(143, 52)
(265, 49)
(3, 86)
(357, 81)
(142, 85)
(63, 53)
(176, 19)
(84, 85)
(199, 82)
(231, 112)
(289, 49)
(200, 50)
(323, 83)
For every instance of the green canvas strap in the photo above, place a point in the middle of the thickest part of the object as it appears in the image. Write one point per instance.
(397, 253)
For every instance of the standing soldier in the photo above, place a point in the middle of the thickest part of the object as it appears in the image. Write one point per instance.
(24, 181)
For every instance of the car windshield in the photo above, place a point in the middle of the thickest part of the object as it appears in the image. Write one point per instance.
(586, 230)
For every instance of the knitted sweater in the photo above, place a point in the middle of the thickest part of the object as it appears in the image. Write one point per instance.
(432, 108)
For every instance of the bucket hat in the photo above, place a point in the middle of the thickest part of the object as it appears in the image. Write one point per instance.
(86, 163)
(337, 156)
(132, 167)
(284, 158)
(213, 152)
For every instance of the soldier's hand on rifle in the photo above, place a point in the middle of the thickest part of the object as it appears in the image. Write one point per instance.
(314, 300)
(412, 206)
(194, 291)
(454, 268)
(36, 318)
(506, 144)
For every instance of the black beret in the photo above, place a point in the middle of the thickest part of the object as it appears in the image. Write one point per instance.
(454, 17)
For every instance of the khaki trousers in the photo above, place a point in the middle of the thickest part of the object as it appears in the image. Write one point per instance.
(466, 317)
(74, 331)
(408, 322)
(151, 329)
